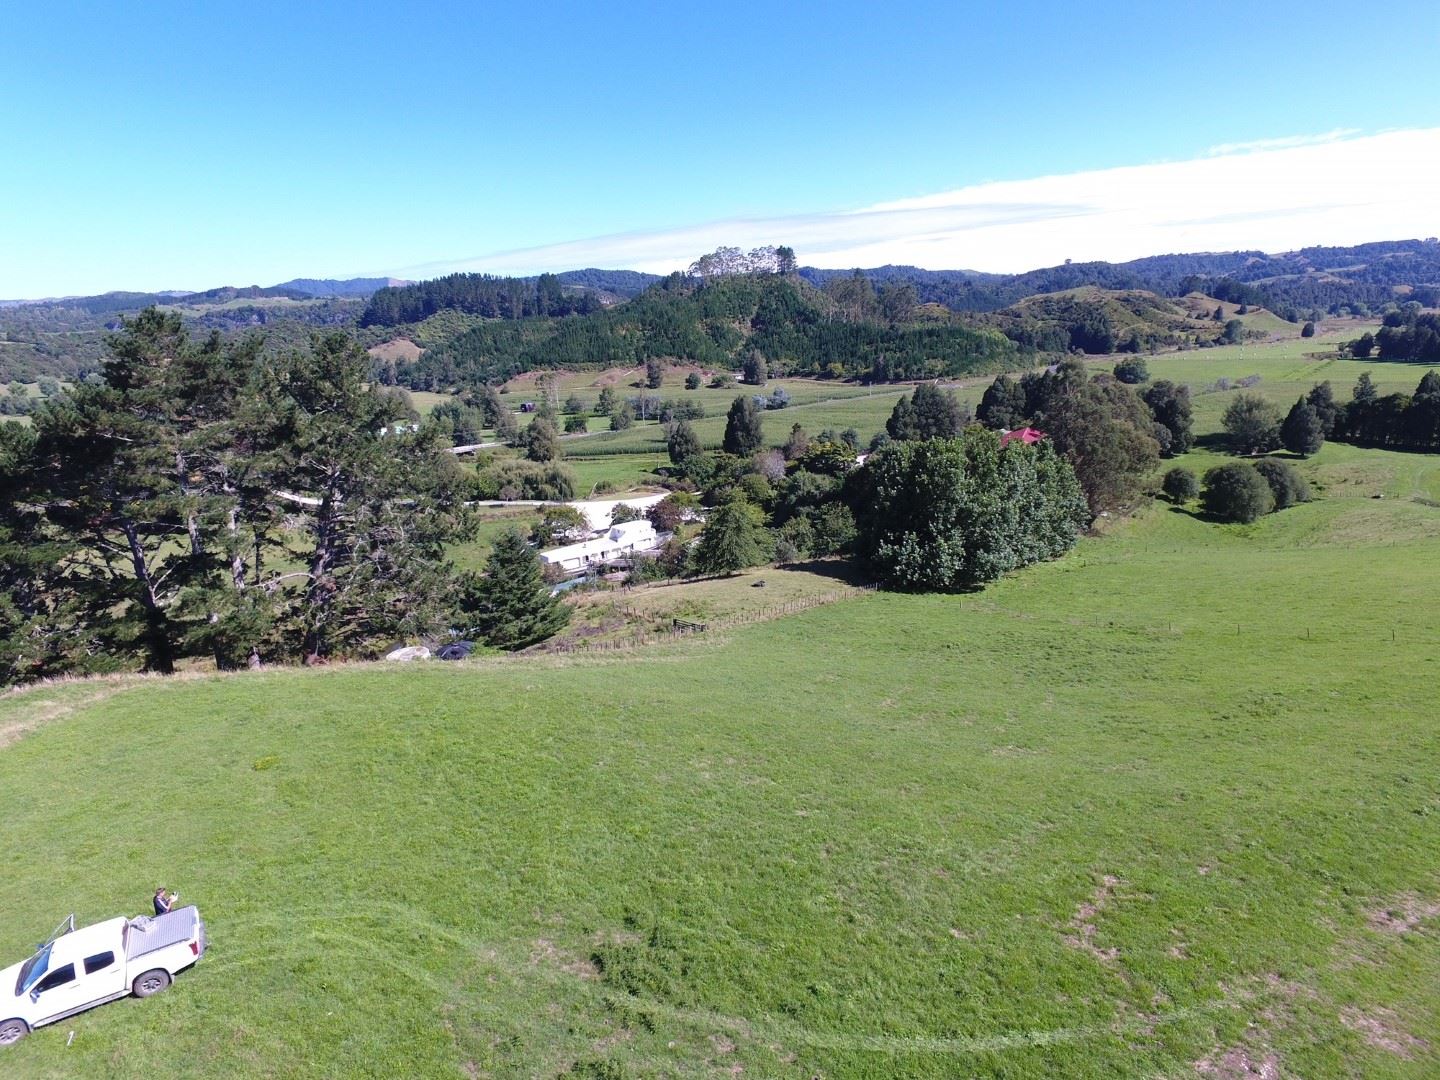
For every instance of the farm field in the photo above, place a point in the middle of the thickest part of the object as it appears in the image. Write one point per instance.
(1165, 807)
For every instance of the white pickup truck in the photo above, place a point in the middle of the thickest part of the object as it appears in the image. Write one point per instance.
(78, 969)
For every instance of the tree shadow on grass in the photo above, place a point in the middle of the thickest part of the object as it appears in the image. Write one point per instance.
(845, 570)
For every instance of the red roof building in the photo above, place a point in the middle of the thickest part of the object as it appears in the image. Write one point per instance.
(1027, 435)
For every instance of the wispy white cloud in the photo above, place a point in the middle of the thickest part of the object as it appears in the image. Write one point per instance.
(1285, 142)
(1338, 188)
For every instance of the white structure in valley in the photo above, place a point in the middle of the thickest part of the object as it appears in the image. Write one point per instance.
(618, 542)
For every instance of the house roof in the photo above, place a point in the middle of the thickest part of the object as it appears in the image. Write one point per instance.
(1027, 435)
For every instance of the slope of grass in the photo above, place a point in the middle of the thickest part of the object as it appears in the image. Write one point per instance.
(1169, 800)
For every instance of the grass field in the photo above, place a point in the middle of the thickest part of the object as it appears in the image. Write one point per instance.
(1166, 807)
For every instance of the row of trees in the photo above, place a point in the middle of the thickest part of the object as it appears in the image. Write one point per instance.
(1395, 421)
(477, 294)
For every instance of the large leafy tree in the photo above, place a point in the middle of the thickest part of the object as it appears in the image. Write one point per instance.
(1003, 404)
(511, 605)
(1170, 406)
(1237, 492)
(1253, 424)
(1107, 434)
(942, 514)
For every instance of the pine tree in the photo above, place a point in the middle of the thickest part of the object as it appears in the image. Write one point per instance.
(511, 606)
(744, 433)
(1302, 433)
(682, 442)
(734, 538)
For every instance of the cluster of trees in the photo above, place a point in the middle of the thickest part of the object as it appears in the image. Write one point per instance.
(721, 322)
(1111, 435)
(1408, 335)
(941, 514)
(477, 294)
(1393, 421)
(1241, 491)
(731, 260)
(935, 506)
(204, 500)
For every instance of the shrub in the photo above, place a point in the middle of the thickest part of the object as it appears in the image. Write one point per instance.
(1286, 485)
(511, 479)
(1237, 492)
(1132, 371)
(692, 381)
(576, 425)
(1180, 485)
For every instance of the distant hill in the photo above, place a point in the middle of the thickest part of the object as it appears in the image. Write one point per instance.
(717, 323)
(322, 287)
(1297, 284)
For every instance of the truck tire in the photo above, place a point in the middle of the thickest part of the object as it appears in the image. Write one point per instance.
(12, 1031)
(151, 982)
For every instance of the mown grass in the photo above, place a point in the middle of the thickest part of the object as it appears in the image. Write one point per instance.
(1170, 800)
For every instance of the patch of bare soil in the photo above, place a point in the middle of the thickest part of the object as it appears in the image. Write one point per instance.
(398, 349)
(1082, 923)
(545, 952)
(1403, 915)
(1381, 1029)
(1239, 1063)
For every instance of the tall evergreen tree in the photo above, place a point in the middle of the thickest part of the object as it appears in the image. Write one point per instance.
(681, 443)
(734, 538)
(511, 605)
(1301, 432)
(378, 509)
(929, 413)
(744, 432)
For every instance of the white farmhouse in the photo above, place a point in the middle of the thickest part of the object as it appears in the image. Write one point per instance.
(618, 542)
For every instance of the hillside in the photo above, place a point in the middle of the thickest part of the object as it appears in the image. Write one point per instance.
(1144, 815)
(64, 338)
(717, 323)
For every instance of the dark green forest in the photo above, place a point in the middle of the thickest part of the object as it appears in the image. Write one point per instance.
(720, 323)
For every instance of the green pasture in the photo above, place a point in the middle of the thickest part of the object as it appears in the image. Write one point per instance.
(1166, 807)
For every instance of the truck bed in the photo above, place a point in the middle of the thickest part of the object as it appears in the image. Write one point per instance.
(148, 935)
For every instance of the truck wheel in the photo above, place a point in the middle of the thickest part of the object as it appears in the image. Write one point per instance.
(152, 982)
(12, 1031)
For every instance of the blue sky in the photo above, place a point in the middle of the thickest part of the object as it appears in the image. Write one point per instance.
(196, 145)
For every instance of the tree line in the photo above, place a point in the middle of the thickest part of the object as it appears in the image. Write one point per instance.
(477, 294)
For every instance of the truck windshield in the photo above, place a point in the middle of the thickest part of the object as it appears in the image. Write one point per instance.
(33, 970)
